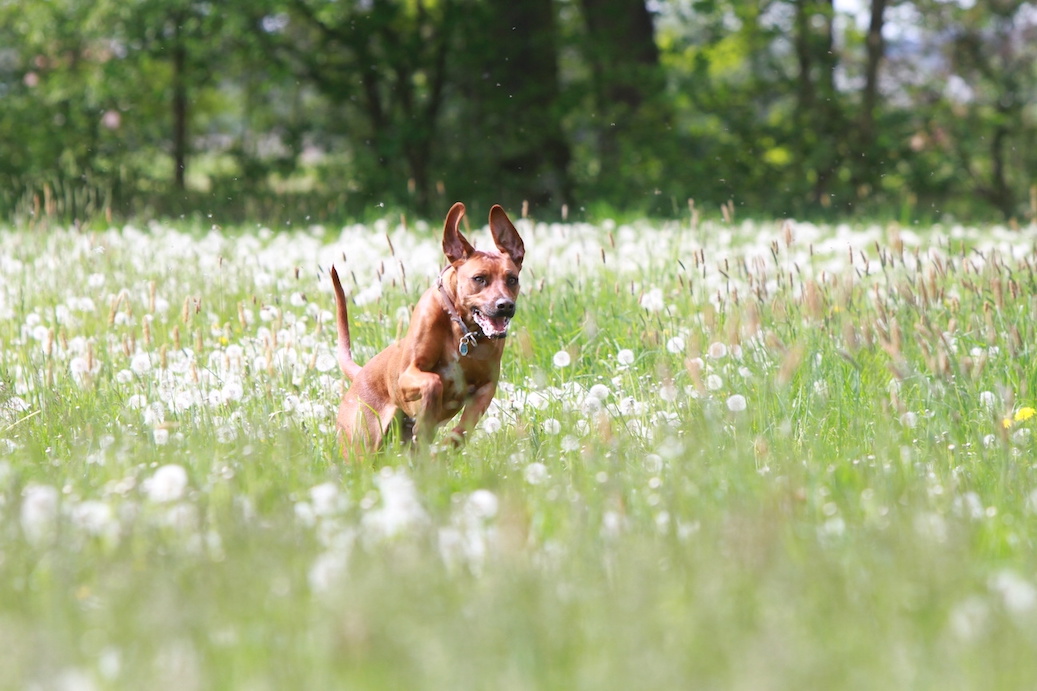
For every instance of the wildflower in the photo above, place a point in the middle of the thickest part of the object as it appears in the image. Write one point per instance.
(625, 357)
(535, 473)
(39, 512)
(400, 508)
(561, 359)
(652, 301)
(482, 504)
(552, 426)
(325, 362)
(95, 517)
(717, 350)
(490, 424)
(1024, 413)
(169, 483)
(714, 382)
(1019, 594)
(987, 399)
(326, 499)
(736, 403)
(675, 345)
(140, 363)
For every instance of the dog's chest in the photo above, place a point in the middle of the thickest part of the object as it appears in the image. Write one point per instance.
(460, 377)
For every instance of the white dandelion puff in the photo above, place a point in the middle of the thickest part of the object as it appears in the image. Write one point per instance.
(717, 350)
(561, 359)
(169, 483)
(535, 473)
(652, 301)
(490, 424)
(39, 512)
(736, 403)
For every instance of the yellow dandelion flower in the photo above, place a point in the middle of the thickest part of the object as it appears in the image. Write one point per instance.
(1006, 423)
(1024, 413)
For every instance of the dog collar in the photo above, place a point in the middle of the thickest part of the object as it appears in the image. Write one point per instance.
(469, 338)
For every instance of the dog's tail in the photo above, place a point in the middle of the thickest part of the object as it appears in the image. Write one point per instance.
(345, 350)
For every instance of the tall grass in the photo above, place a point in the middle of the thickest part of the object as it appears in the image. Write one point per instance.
(722, 456)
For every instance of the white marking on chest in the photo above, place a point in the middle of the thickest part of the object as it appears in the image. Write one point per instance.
(452, 376)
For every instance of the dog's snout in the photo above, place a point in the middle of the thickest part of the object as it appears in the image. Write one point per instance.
(505, 306)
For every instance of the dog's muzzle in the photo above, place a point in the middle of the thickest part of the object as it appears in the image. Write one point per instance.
(495, 324)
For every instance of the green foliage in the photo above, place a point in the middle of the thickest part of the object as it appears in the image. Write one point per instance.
(341, 107)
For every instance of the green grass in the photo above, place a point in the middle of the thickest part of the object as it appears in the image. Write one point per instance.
(867, 521)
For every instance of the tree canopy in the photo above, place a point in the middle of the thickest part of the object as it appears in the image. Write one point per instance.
(309, 108)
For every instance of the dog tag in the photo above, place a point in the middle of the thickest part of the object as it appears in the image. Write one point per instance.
(468, 338)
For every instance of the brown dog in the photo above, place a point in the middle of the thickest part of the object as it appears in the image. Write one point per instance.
(450, 357)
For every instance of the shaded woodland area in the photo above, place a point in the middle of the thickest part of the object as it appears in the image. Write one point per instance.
(316, 109)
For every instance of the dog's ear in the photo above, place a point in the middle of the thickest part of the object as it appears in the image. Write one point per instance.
(455, 247)
(505, 236)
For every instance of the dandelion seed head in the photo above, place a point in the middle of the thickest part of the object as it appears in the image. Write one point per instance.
(561, 359)
(39, 512)
(675, 345)
(326, 499)
(167, 484)
(1017, 593)
(140, 363)
(625, 357)
(490, 424)
(717, 350)
(535, 473)
(482, 504)
(652, 301)
(736, 403)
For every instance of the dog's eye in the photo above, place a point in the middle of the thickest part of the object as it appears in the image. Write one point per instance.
(480, 279)
(512, 280)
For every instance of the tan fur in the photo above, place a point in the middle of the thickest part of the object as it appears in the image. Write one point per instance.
(423, 380)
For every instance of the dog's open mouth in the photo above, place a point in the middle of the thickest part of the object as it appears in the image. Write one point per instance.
(492, 327)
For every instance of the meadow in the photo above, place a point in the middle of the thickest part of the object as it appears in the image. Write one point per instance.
(723, 455)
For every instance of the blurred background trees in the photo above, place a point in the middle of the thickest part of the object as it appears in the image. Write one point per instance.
(295, 109)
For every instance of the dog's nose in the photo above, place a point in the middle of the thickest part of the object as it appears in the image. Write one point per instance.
(505, 307)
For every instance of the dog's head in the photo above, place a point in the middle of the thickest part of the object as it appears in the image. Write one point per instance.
(486, 284)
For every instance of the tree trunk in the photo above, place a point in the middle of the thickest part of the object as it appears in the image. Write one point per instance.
(625, 64)
(522, 102)
(179, 85)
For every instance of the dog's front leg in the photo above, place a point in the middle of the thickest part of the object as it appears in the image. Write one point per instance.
(425, 389)
(473, 411)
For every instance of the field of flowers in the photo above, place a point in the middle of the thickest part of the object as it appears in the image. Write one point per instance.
(757, 456)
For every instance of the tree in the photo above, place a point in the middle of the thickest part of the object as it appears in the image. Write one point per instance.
(508, 130)
(631, 116)
(383, 65)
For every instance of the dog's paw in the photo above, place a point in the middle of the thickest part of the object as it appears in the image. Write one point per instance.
(456, 437)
